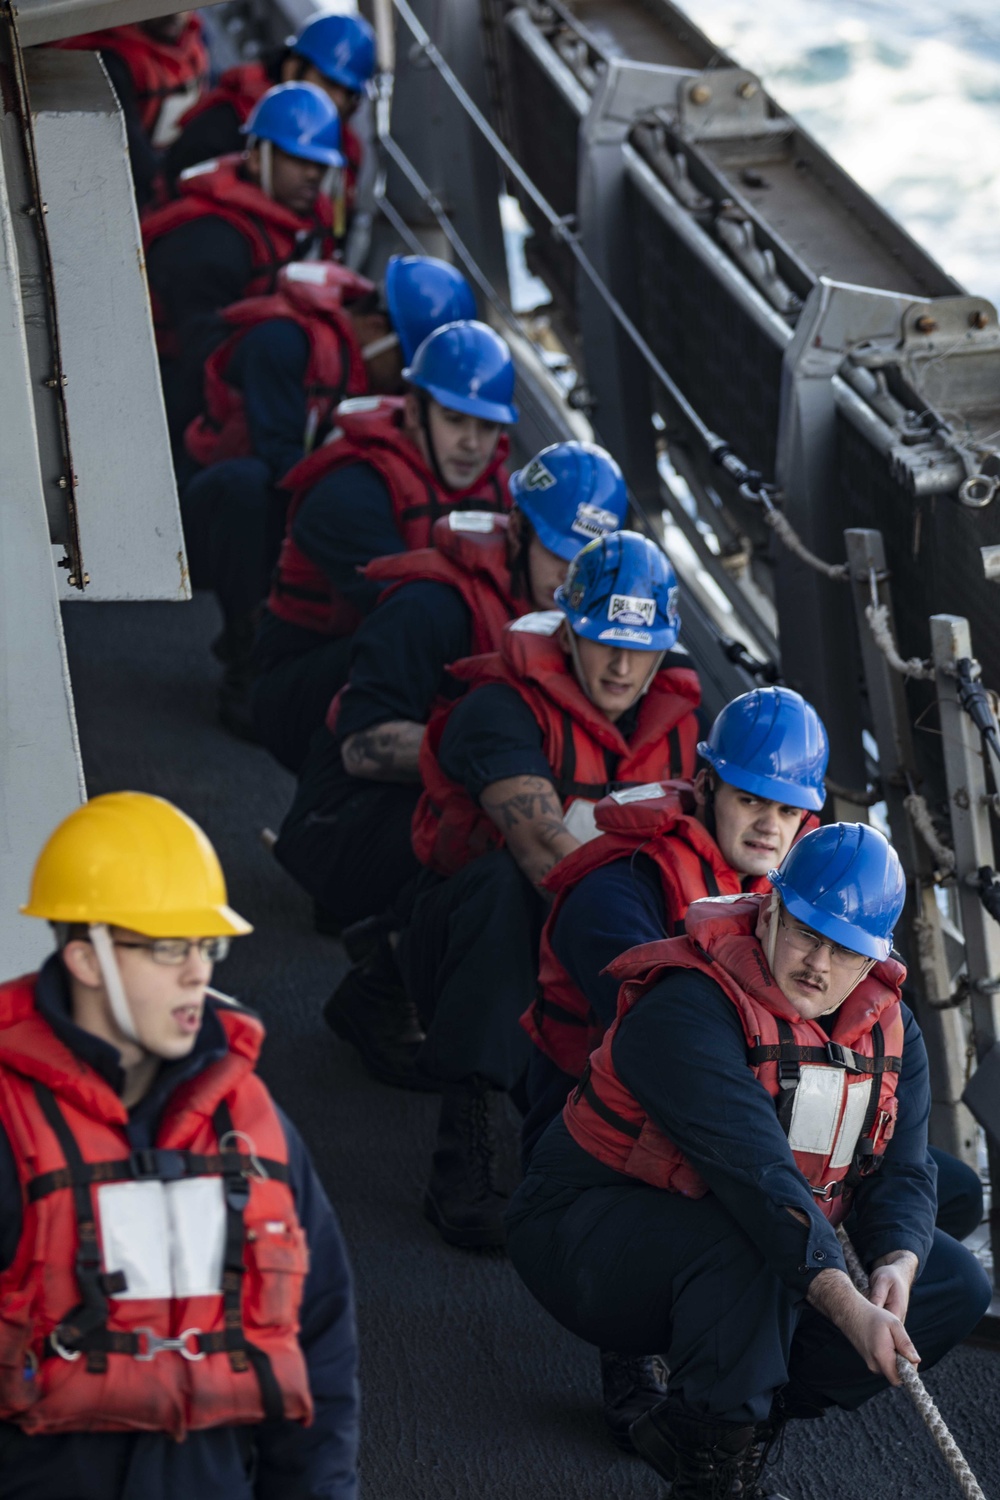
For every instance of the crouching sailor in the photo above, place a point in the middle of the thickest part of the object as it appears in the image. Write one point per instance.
(176, 1312)
(762, 1081)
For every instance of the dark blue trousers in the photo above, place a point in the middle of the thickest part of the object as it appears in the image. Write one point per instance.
(636, 1269)
(233, 523)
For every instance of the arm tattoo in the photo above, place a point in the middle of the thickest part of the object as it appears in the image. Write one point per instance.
(387, 752)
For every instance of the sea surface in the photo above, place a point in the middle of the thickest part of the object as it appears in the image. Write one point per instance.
(904, 93)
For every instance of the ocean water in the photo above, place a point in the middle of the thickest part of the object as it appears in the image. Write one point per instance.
(904, 93)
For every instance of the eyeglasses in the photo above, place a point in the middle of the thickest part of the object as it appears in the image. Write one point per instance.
(174, 951)
(804, 942)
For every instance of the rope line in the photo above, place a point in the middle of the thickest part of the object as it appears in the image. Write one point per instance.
(785, 531)
(877, 616)
(918, 1392)
(920, 817)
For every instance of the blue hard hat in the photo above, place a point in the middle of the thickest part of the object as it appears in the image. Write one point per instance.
(423, 293)
(342, 48)
(771, 743)
(621, 590)
(300, 120)
(844, 881)
(571, 493)
(468, 368)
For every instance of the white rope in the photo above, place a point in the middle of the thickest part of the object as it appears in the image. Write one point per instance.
(918, 1392)
(920, 817)
(783, 528)
(877, 616)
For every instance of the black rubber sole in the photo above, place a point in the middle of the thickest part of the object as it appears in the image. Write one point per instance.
(486, 1238)
(648, 1442)
(343, 1026)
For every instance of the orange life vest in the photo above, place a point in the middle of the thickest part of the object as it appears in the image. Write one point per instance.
(276, 236)
(449, 829)
(158, 69)
(368, 431)
(659, 822)
(153, 1290)
(335, 368)
(470, 556)
(242, 86)
(837, 1127)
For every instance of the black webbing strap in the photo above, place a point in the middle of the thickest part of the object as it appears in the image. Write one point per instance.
(865, 1161)
(585, 1090)
(152, 1164)
(91, 1313)
(431, 506)
(547, 1007)
(241, 1352)
(834, 1054)
(708, 876)
(312, 596)
(676, 761)
(567, 785)
(789, 1073)
(337, 392)
(272, 265)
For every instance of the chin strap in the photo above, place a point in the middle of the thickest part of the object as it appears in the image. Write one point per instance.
(266, 167)
(380, 346)
(772, 929)
(111, 975)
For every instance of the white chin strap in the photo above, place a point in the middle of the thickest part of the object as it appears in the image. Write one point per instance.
(266, 167)
(772, 929)
(111, 975)
(380, 346)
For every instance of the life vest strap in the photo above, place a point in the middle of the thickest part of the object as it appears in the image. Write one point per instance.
(833, 1054)
(151, 1164)
(585, 1090)
(547, 1007)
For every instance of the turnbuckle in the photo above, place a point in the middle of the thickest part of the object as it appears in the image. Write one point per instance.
(150, 1344)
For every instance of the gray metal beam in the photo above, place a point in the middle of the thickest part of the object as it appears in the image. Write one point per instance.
(50, 20)
(952, 1128)
(40, 775)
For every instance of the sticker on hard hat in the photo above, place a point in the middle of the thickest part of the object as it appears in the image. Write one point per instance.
(628, 609)
(591, 521)
(645, 793)
(629, 636)
(535, 476)
(542, 622)
(471, 520)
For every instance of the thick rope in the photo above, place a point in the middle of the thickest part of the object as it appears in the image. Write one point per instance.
(877, 616)
(783, 528)
(918, 1392)
(920, 817)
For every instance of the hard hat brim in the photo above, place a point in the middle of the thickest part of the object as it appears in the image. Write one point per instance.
(847, 934)
(773, 788)
(563, 546)
(213, 921)
(632, 637)
(469, 406)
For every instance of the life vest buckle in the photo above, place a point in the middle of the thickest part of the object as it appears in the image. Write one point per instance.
(829, 1192)
(841, 1057)
(150, 1344)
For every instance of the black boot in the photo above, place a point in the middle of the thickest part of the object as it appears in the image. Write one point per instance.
(371, 1010)
(703, 1458)
(233, 648)
(461, 1201)
(630, 1385)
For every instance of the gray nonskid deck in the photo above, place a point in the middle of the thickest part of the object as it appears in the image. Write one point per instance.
(469, 1389)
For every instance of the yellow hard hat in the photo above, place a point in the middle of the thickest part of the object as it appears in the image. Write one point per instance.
(136, 861)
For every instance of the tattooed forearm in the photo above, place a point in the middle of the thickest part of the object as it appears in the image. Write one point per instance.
(528, 813)
(388, 752)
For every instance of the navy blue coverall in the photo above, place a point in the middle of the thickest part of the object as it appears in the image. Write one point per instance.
(234, 516)
(344, 522)
(346, 840)
(470, 954)
(276, 1461)
(620, 906)
(717, 1285)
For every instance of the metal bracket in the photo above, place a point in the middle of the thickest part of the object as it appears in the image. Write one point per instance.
(725, 104)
